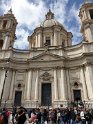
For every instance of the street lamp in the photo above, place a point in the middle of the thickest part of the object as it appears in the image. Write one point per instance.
(84, 104)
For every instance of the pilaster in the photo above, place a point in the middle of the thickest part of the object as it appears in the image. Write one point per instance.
(36, 87)
(7, 85)
(36, 41)
(39, 39)
(55, 85)
(83, 81)
(51, 40)
(89, 80)
(29, 85)
(12, 86)
(88, 33)
(68, 84)
(62, 85)
(6, 42)
(55, 37)
(2, 82)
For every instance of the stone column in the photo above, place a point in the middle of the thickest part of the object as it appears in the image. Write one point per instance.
(12, 86)
(40, 39)
(68, 84)
(84, 84)
(55, 85)
(36, 87)
(62, 85)
(89, 80)
(55, 37)
(58, 38)
(36, 45)
(44, 39)
(29, 85)
(51, 40)
(2, 82)
(6, 42)
(89, 33)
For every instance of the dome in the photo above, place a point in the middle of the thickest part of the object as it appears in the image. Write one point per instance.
(50, 21)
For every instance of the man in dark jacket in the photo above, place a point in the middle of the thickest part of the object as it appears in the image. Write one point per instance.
(21, 117)
(5, 116)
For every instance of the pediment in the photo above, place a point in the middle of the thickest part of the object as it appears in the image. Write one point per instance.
(46, 57)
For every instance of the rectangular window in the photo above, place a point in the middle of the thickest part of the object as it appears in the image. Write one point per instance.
(63, 43)
(4, 24)
(47, 41)
(91, 13)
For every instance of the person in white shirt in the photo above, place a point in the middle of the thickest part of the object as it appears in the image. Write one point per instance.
(82, 115)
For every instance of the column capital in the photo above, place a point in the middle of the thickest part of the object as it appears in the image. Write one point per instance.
(8, 34)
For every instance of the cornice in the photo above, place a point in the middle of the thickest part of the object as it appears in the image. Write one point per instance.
(87, 5)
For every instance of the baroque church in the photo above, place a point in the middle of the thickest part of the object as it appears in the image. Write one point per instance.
(53, 72)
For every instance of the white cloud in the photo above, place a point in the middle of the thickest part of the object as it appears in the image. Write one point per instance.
(73, 17)
(60, 10)
(30, 14)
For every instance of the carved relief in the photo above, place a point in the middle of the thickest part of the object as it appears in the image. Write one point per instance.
(19, 83)
(76, 84)
(46, 76)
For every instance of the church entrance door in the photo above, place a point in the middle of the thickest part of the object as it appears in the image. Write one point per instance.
(46, 99)
(77, 95)
(17, 100)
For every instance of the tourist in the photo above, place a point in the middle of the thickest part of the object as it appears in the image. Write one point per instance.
(82, 115)
(20, 117)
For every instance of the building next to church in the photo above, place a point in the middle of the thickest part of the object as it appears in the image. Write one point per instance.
(53, 72)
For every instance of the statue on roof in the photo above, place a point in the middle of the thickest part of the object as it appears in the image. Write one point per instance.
(86, 1)
(9, 11)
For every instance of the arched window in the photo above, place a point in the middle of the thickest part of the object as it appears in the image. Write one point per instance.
(1, 43)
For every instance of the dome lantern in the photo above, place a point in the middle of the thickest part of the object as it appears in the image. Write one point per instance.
(49, 15)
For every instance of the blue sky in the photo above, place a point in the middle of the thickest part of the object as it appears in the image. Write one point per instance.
(29, 14)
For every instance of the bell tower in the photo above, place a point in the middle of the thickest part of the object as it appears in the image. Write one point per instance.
(8, 25)
(86, 16)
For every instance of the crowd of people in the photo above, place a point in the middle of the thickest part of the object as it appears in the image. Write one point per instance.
(71, 115)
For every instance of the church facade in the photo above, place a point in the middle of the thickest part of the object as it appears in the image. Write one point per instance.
(53, 72)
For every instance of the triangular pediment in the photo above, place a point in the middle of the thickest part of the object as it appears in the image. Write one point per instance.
(46, 56)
